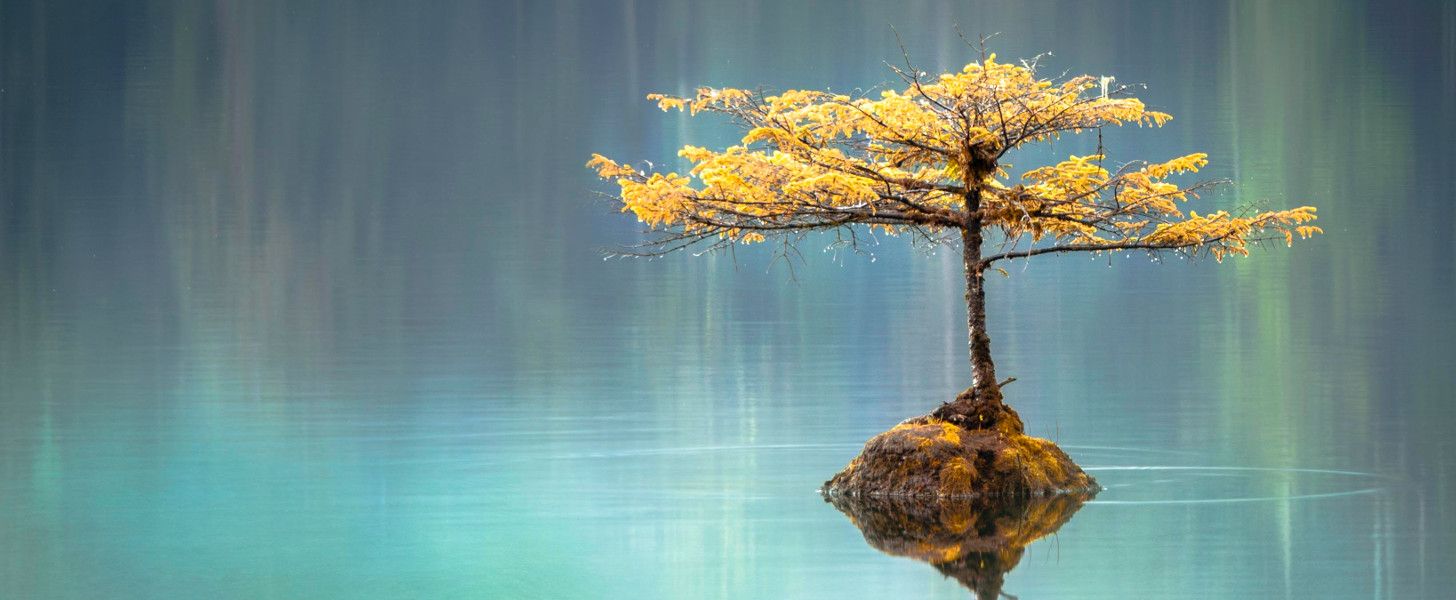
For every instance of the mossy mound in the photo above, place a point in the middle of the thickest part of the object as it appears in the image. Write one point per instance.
(975, 541)
(960, 451)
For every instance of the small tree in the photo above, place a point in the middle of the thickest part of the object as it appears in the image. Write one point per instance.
(928, 161)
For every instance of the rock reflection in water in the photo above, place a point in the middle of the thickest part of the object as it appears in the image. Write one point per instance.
(975, 541)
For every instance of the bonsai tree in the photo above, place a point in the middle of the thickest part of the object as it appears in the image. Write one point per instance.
(929, 161)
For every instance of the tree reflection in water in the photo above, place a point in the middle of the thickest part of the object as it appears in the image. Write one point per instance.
(974, 541)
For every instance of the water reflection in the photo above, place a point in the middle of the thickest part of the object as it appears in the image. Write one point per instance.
(975, 542)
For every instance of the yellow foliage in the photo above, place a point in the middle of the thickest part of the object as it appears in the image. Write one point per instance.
(929, 156)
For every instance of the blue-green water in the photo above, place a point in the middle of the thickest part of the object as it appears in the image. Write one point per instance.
(304, 300)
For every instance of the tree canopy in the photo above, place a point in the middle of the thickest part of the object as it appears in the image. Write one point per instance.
(927, 159)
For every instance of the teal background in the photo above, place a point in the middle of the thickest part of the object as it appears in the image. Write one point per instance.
(306, 299)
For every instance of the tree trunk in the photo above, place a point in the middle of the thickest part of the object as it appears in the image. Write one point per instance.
(983, 372)
(980, 406)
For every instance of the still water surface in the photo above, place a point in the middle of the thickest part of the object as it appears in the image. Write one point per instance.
(305, 300)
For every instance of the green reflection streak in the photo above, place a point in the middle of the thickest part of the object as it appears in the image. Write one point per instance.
(1296, 142)
(1313, 121)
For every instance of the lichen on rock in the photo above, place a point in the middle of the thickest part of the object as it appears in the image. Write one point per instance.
(962, 450)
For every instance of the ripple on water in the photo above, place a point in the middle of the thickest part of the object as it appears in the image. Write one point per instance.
(1205, 484)
(1129, 475)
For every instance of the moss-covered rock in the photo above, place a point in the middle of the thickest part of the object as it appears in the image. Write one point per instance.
(975, 541)
(962, 450)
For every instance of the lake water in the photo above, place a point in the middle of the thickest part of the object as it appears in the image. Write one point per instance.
(305, 300)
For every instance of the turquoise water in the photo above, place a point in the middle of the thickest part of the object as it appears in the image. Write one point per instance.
(306, 301)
